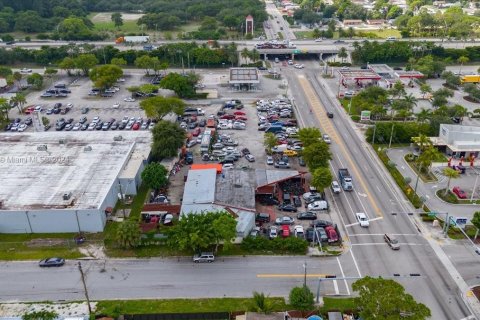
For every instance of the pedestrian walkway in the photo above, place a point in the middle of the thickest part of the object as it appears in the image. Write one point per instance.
(428, 190)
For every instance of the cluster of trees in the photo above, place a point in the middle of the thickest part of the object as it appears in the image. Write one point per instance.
(452, 23)
(317, 155)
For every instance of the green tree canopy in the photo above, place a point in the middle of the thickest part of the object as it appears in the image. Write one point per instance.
(309, 136)
(105, 76)
(269, 141)
(450, 174)
(301, 298)
(317, 155)
(476, 219)
(199, 231)
(117, 19)
(155, 176)
(168, 137)
(85, 62)
(128, 234)
(180, 84)
(67, 64)
(381, 299)
(118, 62)
(35, 80)
(146, 62)
(158, 107)
(321, 178)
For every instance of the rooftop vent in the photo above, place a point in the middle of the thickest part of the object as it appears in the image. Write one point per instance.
(87, 148)
(117, 138)
(42, 147)
(62, 141)
(66, 196)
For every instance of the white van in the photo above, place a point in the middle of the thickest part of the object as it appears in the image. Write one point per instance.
(391, 39)
(276, 60)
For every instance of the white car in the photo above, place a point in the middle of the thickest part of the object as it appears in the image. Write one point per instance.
(318, 40)
(318, 205)
(273, 232)
(307, 195)
(326, 138)
(92, 126)
(250, 158)
(25, 70)
(335, 187)
(125, 119)
(129, 99)
(362, 219)
(129, 125)
(116, 105)
(22, 127)
(270, 160)
(299, 232)
(96, 120)
(38, 109)
(227, 166)
(299, 66)
(77, 126)
(152, 125)
(121, 80)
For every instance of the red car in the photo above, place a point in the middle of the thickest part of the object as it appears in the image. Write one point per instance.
(196, 132)
(285, 231)
(136, 126)
(331, 234)
(228, 117)
(29, 110)
(459, 192)
(242, 118)
(239, 113)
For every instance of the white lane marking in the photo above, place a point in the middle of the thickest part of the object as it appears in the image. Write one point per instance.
(377, 218)
(383, 244)
(378, 188)
(355, 262)
(351, 224)
(382, 234)
(335, 286)
(343, 276)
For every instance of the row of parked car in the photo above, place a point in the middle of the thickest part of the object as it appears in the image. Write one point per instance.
(18, 125)
(127, 123)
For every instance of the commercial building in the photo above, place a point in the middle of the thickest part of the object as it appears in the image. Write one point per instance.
(69, 181)
(244, 79)
(205, 190)
(458, 141)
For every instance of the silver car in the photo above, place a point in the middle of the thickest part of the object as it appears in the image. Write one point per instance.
(204, 257)
(335, 187)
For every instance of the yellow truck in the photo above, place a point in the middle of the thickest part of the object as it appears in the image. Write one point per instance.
(473, 78)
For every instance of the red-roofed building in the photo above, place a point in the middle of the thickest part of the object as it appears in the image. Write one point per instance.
(249, 25)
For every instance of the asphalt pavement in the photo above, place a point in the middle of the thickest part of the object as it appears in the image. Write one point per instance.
(377, 195)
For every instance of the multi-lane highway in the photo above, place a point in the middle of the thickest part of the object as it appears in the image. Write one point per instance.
(375, 194)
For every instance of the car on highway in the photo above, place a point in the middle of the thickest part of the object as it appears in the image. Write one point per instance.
(25, 70)
(284, 220)
(362, 219)
(52, 262)
(318, 40)
(204, 257)
(459, 192)
(129, 99)
(335, 187)
(307, 215)
(326, 138)
(391, 241)
(329, 114)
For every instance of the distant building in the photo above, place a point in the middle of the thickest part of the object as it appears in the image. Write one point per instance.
(349, 23)
(3, 83)
(375, 22)
(249, 25)
(458, 141)
(244, 79)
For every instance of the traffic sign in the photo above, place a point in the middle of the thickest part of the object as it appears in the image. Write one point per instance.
(432, 214)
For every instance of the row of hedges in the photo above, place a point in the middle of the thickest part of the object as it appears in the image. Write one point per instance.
(290, 245)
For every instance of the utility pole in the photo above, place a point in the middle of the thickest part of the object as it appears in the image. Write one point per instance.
(85, 287)
(374, 130)
(121, 196)
(391, 136)
(305, 274)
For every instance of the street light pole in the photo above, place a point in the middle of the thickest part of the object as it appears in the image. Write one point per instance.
(374, 130)
(418, 176)
(391, 136)
(305, 275)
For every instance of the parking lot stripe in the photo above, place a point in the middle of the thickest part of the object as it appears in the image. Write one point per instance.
(291, 275)
(335, 286)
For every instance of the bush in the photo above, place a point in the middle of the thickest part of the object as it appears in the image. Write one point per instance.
(402, 132)
(355, 117)
(290, 245)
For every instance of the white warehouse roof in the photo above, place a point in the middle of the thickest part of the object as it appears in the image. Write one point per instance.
(37, 169)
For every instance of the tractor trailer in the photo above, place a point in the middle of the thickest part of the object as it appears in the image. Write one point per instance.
(345, 179)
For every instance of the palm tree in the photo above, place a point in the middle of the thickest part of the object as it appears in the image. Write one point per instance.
(424, 89)
(4, 108)
(19, 100)
(422, 141)
(255, 55)
(410, 102)
(450, 174)
(462, 60)
(342, 53)
(424, 115)
(245, 54)
(261, 303)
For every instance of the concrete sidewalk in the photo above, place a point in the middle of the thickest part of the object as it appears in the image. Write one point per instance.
(428, 190)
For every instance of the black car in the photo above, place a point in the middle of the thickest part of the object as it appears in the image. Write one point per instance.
(245, 151)
(56, 110)
(268, 200)
(85, 110)
(60, 126)
(287, 207)
(28, 121)
(329, 114)
(202, 123)
(321, 224)
(57, 105)
(114, 126)
(122, 126)
(69, 121)
(8, 127)
(99, 126)
(308, 215)
(52, 262)
(309, 234)
(297, 201)
(189, 157)
(47, 127)
(262, 68)
(262, 217)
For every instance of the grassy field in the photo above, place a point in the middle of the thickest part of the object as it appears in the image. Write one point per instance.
(183, 305)
(127, 27)
(386, 33)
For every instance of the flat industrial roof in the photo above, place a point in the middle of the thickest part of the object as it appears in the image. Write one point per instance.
(244, 75)
(200, 187)
(265, 177)
(236, 188)
(38, 168)
(359, 74)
